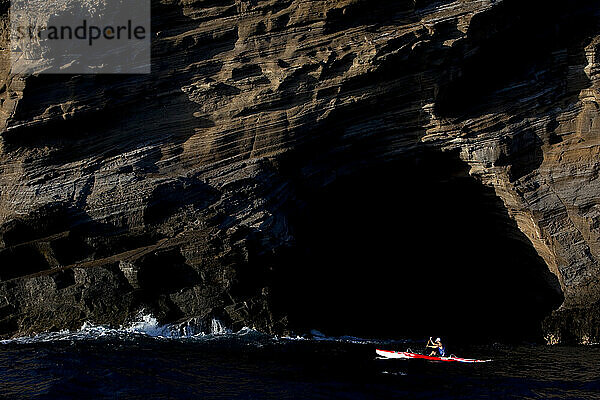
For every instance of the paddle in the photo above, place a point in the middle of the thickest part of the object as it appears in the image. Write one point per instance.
(427, 345)
(433, 346)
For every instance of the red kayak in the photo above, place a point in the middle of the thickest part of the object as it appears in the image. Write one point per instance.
(413, 356)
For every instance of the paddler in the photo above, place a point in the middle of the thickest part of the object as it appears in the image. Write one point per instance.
(437, 346)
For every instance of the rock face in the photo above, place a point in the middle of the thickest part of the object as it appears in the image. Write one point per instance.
(183, 192)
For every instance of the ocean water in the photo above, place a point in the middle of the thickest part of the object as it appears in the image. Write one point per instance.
(146, 361)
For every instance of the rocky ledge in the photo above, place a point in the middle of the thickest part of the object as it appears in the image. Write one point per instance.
(194, 192)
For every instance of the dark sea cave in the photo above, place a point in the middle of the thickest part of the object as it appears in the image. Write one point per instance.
(412, 248)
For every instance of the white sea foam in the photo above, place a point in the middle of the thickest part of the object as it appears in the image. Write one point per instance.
(319, 336)
(144, 325)
(397, 373)
(147, 326)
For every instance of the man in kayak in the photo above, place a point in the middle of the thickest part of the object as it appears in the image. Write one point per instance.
(437, 346)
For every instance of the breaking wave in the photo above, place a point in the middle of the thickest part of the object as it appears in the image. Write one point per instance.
(147, 326)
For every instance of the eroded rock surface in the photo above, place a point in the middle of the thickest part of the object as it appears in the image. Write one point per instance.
(172, 192)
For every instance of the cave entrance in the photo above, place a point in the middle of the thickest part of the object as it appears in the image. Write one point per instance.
(412, 248)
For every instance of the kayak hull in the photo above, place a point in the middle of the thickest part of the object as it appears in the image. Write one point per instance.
(404, 355)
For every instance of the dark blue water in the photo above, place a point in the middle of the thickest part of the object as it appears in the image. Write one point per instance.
(123, 365)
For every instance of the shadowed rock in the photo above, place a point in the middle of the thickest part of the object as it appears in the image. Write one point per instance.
(268, 133)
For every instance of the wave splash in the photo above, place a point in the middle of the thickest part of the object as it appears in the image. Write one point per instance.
(144, 325)
(147, 326)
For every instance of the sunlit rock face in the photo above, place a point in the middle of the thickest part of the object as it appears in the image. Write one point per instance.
(212, 186)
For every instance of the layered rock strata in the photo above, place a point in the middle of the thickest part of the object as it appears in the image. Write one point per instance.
(172, 192)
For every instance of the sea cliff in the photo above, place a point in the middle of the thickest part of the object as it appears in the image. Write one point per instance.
(187, 192)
